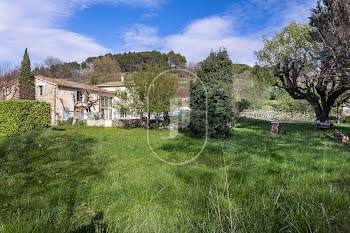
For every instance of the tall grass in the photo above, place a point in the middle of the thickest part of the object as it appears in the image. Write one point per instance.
(91, 179)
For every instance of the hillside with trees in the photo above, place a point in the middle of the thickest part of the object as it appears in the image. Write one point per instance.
(110, 67)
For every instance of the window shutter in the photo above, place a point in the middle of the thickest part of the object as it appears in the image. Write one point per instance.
(44, 90)
(36, 90)
(75, 97)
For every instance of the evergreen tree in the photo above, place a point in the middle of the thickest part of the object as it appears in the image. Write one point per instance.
(26, 83)
(215, 80)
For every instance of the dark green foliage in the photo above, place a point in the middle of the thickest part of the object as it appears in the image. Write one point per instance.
(79, 122)
(69, 121)
(240, 68)
(26, 83)
(20, 116)
(240, 106)
(176, 59)
(263, 74)
(75, 65)
(83, 65)
(215, 80)
(107, 68)
(347, 119)
(133, 61)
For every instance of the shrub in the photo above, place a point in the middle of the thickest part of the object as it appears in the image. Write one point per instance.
(347, 119)
(212, 92)
(97, 116)
(240, 106)
(20, 116)
(79, 122)
(69, 121)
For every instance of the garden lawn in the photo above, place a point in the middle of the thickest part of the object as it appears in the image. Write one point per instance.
(91, 179)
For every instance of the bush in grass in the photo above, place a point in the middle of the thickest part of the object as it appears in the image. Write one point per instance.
(69, 121)
(79, 122)
(240, 106)
(347, 119)
(215, 81)
(20, 116)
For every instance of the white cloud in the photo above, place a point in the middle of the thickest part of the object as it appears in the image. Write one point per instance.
(211, 33)
(142, 38)
(35, 25)
(44, 42)
(268, 16)
(205, 35)
(197, 41)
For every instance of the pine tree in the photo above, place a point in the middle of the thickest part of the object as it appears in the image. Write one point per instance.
(26, 83)
(215, 80)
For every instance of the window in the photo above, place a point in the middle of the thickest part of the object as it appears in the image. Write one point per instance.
(123, 114)
(79, 96)
(106, 108)
(40, 90)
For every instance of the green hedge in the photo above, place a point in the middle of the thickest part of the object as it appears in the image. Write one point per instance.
(19, 116)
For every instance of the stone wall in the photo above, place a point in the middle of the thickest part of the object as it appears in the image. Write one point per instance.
(49, 96)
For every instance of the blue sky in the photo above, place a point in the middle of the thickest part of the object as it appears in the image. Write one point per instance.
(76, 29)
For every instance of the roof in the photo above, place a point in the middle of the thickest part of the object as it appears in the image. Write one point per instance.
(66, 83)
(111, 84)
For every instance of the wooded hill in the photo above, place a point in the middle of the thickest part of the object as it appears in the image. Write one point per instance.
(110, 67)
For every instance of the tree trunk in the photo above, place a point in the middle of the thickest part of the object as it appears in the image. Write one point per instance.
(322, 114)
(338, 113)
(274, 127)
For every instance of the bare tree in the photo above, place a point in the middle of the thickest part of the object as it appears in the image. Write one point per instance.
(105, 69)
(9, 81)
(91, 100)
(86, 100)
(55, 68)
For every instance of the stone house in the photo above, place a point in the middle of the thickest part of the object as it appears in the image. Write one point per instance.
(67, 99)
(75, 100)
(117, 113)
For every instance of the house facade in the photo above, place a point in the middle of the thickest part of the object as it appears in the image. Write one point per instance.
(74, 100)
(118, 114)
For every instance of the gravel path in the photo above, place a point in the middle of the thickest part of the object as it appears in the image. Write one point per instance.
(297, 122)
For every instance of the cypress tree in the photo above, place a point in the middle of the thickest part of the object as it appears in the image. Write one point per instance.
(26, 82)
(216, 76)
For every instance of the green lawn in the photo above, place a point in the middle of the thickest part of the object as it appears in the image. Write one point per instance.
(89, 179)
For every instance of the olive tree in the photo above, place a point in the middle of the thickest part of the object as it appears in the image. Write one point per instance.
(312, 62)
